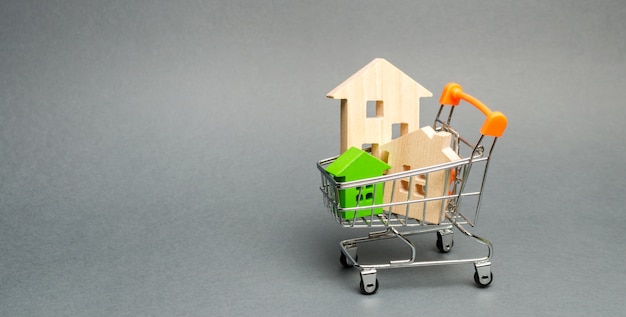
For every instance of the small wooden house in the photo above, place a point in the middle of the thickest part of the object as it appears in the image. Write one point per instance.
(355, 164)
(420, 148)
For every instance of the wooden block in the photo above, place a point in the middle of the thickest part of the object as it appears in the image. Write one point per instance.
(418, 149)
(355, 164)
(396, 97)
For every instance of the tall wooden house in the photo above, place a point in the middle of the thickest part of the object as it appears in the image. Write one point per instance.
(393, 99)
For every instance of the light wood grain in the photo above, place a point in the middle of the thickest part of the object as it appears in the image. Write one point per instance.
(397, 94)
(417, 149)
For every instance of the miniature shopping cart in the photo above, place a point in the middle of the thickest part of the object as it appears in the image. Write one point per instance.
(460, 202)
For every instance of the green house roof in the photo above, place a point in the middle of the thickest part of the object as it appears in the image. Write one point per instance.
(356, 164)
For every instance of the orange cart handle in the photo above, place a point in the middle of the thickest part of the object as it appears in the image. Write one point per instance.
(494, 124)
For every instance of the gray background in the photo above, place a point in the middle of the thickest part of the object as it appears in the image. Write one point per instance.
(157, 158)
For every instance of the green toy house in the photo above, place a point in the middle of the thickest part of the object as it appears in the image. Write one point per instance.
(355, 164)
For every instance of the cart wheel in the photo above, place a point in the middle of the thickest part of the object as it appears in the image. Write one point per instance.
(369, 289)
(444, 242)
(483, 281)
(344, 261)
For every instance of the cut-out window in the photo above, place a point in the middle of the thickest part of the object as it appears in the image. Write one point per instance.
(375, 109)
(404, 183)
(365, 193)
(419, 184)
(372, 148)
(398, 130)
(359, 194)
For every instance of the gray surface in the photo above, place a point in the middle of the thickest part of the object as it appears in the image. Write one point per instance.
(157, 158)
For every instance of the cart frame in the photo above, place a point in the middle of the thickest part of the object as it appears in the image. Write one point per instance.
(458, 191)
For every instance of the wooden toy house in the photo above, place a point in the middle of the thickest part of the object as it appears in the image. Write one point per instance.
(355, 164)
(420, 148)
(393, 96)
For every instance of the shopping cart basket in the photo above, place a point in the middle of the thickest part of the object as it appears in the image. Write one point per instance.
(474, 160)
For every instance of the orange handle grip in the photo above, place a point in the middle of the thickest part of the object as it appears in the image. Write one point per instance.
(494, 124)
